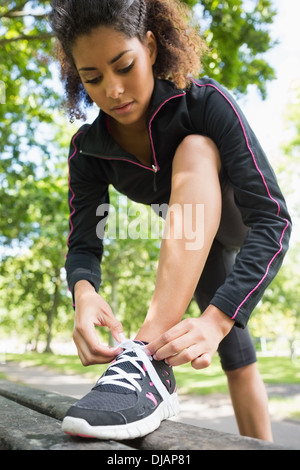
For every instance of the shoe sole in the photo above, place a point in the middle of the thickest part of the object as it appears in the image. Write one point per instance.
(80, 427)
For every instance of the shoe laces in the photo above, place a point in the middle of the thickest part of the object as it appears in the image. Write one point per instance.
(128, 379)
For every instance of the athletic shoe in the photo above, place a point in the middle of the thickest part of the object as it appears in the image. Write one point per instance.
(130, 400)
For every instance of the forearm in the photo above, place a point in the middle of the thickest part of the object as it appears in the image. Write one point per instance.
(81, 288)
(219, 322)
(195, 183)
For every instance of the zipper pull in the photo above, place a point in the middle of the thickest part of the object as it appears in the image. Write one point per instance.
(155, 170)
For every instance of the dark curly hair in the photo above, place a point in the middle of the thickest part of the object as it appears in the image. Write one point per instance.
(178, 43)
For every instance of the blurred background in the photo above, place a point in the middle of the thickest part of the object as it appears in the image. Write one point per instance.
(254, 52)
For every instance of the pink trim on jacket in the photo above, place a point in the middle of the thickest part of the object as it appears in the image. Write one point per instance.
(70, 187)
(150, 123)
(267, 189)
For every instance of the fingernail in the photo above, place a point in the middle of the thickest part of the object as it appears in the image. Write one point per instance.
(147, 352)
(122, 337)
(118, 351)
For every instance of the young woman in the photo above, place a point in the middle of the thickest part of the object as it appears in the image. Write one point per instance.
(163, 136)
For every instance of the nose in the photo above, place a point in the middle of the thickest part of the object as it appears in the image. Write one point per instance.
(114, 88)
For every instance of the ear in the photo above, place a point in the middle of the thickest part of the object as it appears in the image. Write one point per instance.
(151, 44)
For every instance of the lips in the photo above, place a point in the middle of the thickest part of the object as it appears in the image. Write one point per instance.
(123, 108)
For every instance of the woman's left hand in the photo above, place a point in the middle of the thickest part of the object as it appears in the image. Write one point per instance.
(193, 340)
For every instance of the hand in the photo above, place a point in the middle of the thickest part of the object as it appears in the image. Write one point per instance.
(91, 309)
(192, 340)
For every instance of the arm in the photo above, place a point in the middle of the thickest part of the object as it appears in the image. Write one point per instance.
(258, 198)
(263, 209)
(195, 183)
(87, 190)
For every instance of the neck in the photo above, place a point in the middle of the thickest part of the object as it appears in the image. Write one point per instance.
(121, 130)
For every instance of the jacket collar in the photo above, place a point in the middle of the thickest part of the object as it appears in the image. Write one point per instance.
(97, 140)
(162, 92)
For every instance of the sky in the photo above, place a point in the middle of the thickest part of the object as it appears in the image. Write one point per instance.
(267, 117)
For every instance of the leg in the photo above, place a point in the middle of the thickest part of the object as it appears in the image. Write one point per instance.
(237, 353)
(250, 402)
(195, 180)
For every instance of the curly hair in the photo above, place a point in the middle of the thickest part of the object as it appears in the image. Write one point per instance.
(179, 45)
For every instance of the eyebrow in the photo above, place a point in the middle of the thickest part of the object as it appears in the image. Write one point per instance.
(112, 61)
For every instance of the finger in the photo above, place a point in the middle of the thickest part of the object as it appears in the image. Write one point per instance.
(178, 351)
(163, 346)
(117, 332)
(90, 350)
(88, 358)
(114, 325)
(202, 361)
(184, 356)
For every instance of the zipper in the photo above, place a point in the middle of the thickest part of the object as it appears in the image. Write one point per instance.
(155, 170)
(154, 167)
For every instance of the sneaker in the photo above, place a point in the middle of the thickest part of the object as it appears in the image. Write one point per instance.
(130, 400)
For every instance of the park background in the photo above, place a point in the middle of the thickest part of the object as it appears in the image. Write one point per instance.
(255, 52)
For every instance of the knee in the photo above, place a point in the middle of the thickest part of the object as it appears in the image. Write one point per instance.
(195, 150)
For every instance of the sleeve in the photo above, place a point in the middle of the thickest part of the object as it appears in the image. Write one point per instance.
(87, 191)
(258, 198)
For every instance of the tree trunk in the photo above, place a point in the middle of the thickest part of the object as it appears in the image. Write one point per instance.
(114, 306)
(52, 313)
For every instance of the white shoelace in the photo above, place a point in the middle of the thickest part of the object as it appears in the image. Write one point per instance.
(116, 379)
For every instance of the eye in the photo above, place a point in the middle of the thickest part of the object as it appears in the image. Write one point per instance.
(93, 81)
(127, 69)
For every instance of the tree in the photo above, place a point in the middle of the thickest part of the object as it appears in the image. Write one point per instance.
(26, 114)
(33, 189)
(34, 291)
(280, 308)
(238, 36)
(288, 168)
(131, 249)
(35, 137)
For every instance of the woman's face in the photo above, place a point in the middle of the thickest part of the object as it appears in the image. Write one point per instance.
(117, 72)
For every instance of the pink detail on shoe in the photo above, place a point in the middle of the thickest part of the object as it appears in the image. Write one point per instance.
(144, 367)
(168, 382)
(151, 383)
(151, 397)
(80, 435)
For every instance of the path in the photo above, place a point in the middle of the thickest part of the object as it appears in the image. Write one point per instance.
(212, 411)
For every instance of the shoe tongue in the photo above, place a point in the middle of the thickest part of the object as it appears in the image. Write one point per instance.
(126, 366)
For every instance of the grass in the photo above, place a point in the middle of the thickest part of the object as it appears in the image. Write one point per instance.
(276, 370)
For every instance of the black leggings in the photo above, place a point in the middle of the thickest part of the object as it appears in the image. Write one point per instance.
(236, 349)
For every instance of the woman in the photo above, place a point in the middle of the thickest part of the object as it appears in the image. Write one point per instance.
(164, 137)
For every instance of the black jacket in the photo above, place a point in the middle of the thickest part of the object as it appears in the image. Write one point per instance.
(248, 184)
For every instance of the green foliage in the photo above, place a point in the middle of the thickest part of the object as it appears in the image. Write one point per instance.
(129, 264)
(29, 101)
(274, 370)
(35, 136)
(280, 309)
(238, 37)
(289, 168)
